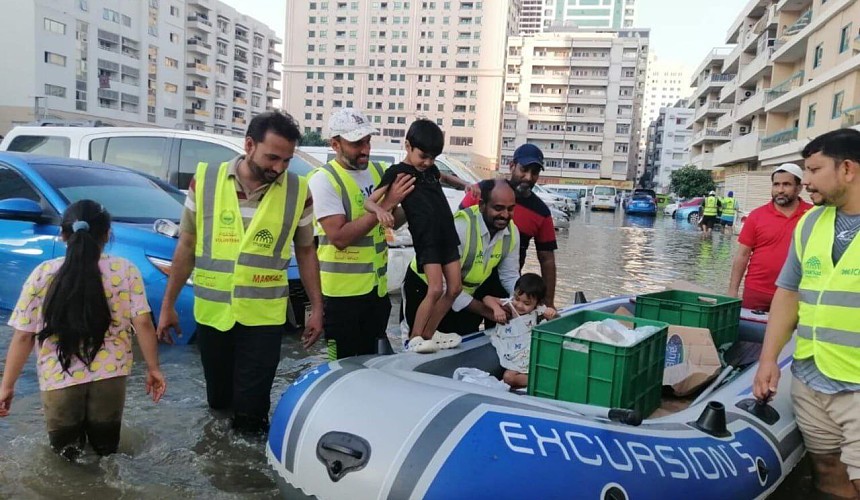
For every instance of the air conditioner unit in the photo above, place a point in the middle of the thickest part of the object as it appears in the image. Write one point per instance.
(744, 130)
(748, 94)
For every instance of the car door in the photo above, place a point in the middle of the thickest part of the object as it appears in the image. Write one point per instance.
(190, 152)
(147, 154)
(24, 244)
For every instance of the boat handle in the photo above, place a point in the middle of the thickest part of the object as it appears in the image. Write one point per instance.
(343, 449)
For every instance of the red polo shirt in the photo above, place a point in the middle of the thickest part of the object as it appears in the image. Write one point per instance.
(768, 232)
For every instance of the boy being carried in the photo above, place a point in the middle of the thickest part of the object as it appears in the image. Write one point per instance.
(513, 340)
(434, 236)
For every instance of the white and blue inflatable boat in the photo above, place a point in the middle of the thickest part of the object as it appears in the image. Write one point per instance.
(400, 427)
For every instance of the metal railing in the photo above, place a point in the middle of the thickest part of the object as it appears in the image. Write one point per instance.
(779, 138)
(793, 82)
(851, 116)
(797, 26)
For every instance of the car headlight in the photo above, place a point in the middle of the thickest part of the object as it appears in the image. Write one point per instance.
(165, 265)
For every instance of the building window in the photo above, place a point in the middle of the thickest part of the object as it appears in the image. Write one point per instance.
(55, 26)
(52, 58)
(845, 38)
(174, 11)
(836, 111)
(169, 113)
(171, 63)
(819, 54)
(55, 90)
(810, 116)
(82, 4)
(169, 87)
(126, 21)
(174, 38)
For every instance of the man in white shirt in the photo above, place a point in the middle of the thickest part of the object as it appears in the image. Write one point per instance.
(497, 236)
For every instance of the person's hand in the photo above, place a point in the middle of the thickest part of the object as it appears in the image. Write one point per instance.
(495, 305)
(766, 381)
(385, 218)
(474, 190)
(6, 395)
(166, 320)
(398, 190)
(550, 313)
(155, 384)
(313, 329)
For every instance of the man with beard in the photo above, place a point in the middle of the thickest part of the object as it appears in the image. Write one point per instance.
(353, 252)
(765, 238)
(532, 217)
(819, 294)
(239, 220)
(489, 243)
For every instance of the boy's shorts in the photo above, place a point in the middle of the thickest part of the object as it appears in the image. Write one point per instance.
(829, 423)
(90, 411)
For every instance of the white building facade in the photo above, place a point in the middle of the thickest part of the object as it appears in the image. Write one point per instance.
(150, 62)
(584, 14)
(668, 147)
(577, 95)
(399, 61)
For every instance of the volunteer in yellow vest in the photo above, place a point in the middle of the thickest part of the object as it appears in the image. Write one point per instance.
(819, 294)
(488, 240)
(353, 252)
(730, 208)
(710, 208)
(239, 220)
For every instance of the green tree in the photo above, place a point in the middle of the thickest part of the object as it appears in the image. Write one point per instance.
(689, 181)
(312, 138)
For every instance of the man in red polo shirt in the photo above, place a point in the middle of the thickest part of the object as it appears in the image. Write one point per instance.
(531, 216)
(765, 238)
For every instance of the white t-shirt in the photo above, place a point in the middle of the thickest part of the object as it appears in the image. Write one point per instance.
(327, 201)
(513, 340)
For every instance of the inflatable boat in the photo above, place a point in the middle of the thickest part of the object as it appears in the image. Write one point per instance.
(399, 427)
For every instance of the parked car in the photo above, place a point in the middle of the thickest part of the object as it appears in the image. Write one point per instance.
(641, 204)
(604, 198)
(36, 190)
(673, 207)
(689, 213)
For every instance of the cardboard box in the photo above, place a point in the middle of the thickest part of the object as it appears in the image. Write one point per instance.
(691, 359)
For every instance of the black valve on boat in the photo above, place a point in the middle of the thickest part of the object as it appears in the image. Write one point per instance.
(625, 416)
(383, 346)
(342, 453)
(579, 298)
(713, 420)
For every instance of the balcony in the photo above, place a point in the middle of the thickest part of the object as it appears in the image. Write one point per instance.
(239, 121)
(198, 91)
(713, 82)
(753, 105)
(242, 38)
(779, 138)
(711, 108)
(273, 92)
(198, 69)
(725, 121)
(727, 94)
(201, 3)
(741, 148)
(199, 23)
(193, 114)
(851, 117)
(792, 43)
(273, 71)
(240, 101)
(710, 134)
(703, 161)
(756, 68)
(785, 97)
(199, 46)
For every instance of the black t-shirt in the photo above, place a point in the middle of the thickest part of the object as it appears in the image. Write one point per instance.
(427, 210)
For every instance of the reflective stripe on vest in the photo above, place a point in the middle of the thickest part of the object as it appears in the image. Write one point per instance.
(363, 266)
(240, 274)
(828, 326)
(476, 267)
(728, 207)
(710, 206)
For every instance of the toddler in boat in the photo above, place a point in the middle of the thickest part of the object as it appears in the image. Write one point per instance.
(512, 339)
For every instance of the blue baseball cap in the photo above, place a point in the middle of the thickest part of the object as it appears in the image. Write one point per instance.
(528, 155)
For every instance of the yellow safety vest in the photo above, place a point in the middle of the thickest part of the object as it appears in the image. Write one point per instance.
(475, 267)
(357, 269)
(728, 207)
(240, 273)
(828, 326)
(710, 206)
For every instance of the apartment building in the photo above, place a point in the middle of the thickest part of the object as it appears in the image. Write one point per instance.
(797, 67)
(577, 95)
(668, 145)
(154, 62)
(708, 80)
(665, 83)
(398, 61)
(531, 16)
(539, 15)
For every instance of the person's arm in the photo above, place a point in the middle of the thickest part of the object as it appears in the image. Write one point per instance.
(481, 309)
(371, 204)
(19, 350)
(509, 267)
(546, 259)
(180, 270)
(739, 268)
(782, 321)
(148, 342)
(453, 180)
(309, 272)
(343, 233)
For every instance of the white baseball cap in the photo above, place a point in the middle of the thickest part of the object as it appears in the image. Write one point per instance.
(350, 124)
(791, 168)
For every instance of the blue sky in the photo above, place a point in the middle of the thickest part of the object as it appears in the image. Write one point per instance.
(681, 30)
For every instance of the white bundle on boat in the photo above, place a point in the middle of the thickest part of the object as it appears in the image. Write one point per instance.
(611, 332)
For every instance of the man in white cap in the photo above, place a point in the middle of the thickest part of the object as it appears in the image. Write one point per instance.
(710, 209)
(353, 252)
(765, 238)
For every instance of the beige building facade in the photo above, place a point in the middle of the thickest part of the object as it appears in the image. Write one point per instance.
(577, 95)
(797, 75)
(399, 61)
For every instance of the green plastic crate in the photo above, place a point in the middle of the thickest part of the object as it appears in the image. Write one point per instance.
(582, 371)
(677, 307)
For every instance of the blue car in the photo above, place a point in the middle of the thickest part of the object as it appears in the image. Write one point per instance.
(641, 204)
(689, 214)
(34, 193)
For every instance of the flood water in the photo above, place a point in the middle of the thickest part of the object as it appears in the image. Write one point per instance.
(178, 449)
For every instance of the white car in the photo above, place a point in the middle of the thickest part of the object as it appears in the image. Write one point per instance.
(670, 209)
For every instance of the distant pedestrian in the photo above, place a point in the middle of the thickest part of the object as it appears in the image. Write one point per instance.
(82, 309)
(710, 209)
(765, 238)
(729, 209)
